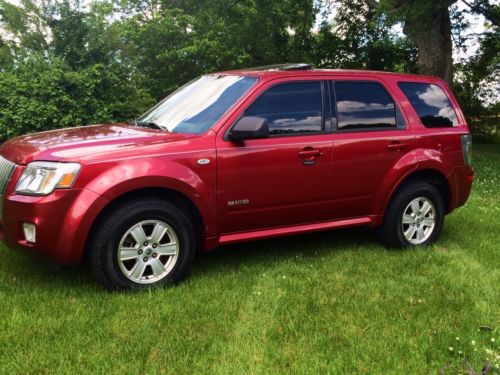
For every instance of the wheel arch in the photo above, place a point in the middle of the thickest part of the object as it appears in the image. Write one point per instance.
(432, 176)
(175, 197)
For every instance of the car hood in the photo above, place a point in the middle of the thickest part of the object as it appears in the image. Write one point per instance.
(84, 142)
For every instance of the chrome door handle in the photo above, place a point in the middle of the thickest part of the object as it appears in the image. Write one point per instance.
(313, 152)
(396, 146)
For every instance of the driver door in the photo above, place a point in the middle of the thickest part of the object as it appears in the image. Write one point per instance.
(284, 179)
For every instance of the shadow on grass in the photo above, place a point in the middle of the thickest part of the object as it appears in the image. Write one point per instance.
(36, 273)
(313, 245)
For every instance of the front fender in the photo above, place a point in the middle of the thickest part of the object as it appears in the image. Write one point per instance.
(77, 224)
(195, 182)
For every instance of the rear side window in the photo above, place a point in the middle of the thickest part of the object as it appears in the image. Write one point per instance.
(292, 108)
(364, 105)
(431, 104)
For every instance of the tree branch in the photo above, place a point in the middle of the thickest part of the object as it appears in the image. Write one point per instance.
(490, 16)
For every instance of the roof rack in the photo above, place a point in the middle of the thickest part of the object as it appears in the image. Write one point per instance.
(298, 66)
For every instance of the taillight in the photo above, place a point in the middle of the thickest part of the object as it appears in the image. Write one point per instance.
(466, 148)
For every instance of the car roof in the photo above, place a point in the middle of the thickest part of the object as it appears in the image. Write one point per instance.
(290, 70)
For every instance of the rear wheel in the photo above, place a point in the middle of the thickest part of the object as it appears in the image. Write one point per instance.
(414, 217)
(142, 243)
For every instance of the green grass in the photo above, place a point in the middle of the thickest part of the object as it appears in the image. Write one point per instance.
(333, 302)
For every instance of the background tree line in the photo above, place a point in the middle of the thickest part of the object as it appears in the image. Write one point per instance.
(72, 62)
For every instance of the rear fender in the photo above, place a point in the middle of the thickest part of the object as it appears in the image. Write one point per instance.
(405, 166)
(418, 160)
(432, 159)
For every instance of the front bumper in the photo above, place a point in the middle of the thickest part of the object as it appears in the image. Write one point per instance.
(63, 220)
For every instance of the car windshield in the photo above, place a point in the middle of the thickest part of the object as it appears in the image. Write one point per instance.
(197, 106)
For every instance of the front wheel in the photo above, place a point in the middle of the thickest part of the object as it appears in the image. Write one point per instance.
(414, 217)
(144, 242)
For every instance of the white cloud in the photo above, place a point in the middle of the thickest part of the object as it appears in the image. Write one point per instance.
(347, 106)
(434, 97)
(309, 123)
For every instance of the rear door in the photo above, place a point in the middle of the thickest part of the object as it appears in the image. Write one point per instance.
(370, 138)
(284, 179)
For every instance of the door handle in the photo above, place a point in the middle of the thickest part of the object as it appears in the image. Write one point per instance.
(396, 146)
(310, 152)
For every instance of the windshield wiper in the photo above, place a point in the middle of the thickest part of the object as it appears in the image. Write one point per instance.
(146, 124)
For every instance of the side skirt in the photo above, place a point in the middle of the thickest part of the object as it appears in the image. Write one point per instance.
(292, 230)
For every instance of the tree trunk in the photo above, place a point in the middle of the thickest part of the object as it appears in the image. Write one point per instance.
(432, 36)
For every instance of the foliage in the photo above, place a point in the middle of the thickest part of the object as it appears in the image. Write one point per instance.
(38, 95)
(477, 86)
(363, 38)
(479, 77)
(136, 51)
(63, 66)
(179, 40)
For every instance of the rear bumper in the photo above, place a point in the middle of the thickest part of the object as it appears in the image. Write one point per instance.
(62, 219)
(461, 178)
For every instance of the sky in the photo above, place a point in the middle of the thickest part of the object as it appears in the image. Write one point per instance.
(476, 27)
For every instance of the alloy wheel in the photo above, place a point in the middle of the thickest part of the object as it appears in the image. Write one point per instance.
(419, 220)
(148, 251)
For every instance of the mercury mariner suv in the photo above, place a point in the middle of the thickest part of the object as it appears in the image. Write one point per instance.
(237, 156)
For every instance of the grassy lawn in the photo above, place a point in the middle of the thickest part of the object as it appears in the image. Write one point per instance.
(333, 302)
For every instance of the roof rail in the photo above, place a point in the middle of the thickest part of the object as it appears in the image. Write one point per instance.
(298, 66)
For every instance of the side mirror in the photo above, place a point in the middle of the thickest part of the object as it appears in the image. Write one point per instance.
(249, 127)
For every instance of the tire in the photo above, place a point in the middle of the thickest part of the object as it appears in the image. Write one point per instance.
(403, 228)
(130, 246)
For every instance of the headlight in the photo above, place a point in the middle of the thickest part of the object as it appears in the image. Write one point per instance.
(42, 177)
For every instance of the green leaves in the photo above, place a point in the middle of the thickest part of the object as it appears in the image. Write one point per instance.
(41, 95)
(73, 62)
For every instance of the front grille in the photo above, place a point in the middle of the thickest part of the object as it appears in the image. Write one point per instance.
(6, 170)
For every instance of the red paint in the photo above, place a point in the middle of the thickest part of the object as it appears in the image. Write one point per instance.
(296, 229)
(350, 184)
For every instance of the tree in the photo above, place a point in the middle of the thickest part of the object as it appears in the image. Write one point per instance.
(176, 41)
(427, 23)
(40, 95)
(360, 37)
(79, 75)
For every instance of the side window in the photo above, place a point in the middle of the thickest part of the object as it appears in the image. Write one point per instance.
(431, 104)
(364, 105)
(291, 108)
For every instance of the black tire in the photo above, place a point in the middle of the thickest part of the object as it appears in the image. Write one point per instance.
(103, 247)
(391, 232)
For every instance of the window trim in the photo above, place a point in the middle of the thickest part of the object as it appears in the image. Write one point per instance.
(326, 128)
(453, 105)
(397, 108)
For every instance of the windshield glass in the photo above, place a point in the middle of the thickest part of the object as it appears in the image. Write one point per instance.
(197, 106)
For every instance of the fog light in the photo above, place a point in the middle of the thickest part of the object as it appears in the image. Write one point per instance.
(29, 232)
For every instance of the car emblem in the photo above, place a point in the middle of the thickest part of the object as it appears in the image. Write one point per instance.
(238, 202)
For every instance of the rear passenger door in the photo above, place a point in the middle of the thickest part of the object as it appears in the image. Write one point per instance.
(370, 137)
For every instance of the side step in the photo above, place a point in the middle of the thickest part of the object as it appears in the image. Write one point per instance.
(291, 230)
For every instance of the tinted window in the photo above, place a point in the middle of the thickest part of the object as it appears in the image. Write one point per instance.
(431, 104)
(291, 108)
(364, 105)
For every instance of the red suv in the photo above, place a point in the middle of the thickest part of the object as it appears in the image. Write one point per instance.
(239, 156)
